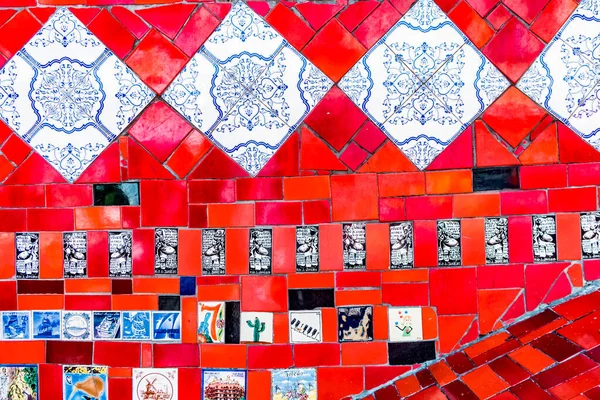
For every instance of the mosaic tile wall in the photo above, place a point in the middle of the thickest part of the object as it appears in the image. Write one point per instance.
(261, 200)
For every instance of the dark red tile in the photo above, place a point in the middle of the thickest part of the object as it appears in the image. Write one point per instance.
(564, 371)
(509, 370)
(529, 390)
(387, 393)
(425, 378)
(40, 287)
(460, 363)
(531, 324)
(69, 353)
(556, 347)
(458, 391)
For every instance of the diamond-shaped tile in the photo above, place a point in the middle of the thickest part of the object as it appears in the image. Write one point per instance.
(565, 78)
(67, 95)
(247, 89)
(423, 83)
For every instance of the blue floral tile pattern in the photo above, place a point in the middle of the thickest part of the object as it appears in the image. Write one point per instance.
(247, 89)
(565, 77)
(423, 83)
(67, 95)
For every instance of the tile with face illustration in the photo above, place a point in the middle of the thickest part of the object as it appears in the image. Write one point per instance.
(261, 251)
(449, 243)
(166, 243)
(405, 324)
(355, 245)
(544, 238)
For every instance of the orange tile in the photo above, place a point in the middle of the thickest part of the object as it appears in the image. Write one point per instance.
(442, 373)
(7, 249)
(23, 352)
(330, 247)
(408, 385)
(364, 353)
(378, 245)
(189, 319)
(484, 382)
(284, 250)
(90, 218)
(430, 329)
(452, 328)
(119, 372)
(135, 302)
(476, 205)
(329, 320)
(356, 297)
(219, 293)
(316, 280)
(190, 252)
(473, 241)
(399, 185)
(307, 188)
(568, 232)
(406, 275)
(216, 355)
(483, 346)
(442, 182)
(259, 385)
(41, 301)
(380, 323)
(156, 285)
(236, 251)
(220, 215)
(575, 273)
(531, 359)
(51, 255)
(281, 330)
(89, 285)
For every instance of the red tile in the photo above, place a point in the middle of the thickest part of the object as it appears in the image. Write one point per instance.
(585, 331)
(461, 282)
(195, 32)
(565, 371)
(22, 196)
(176, 355)
(405, 294)
(354, 197)
(117, 354)
(278, 213)
(273, 356)
(97, 254)
(291, 27)
(318, 14)
(499, 16)
(579, 306)
(355, 13)
(573, 149)
(543, 149)
(212, 191)
(316, 212)
(105, 168)
(50, 219)
(16, 32)
(484, 382)
(501, 276)
(524, 202)
(316, 155)
(526, 10)
(112, 33)
(15, 149)
(490, 152)
(369, 136)
(471, 24)
(337, 382)
(353, 156)
(584, 174)
(163, 203)
(483, 6)
(529, 390)
(425, 233)
(66, 195)
(189, 152)
(459, 154)
(572, 199)
(429, 207)
(264, 293)
(259, 189)
(217, 164)
(378, 23)
(552, 17)
(520, 245)
(543, 176)
(168, 19)
(141, 164)
(131, 21)
(539, 279)
(577, 385)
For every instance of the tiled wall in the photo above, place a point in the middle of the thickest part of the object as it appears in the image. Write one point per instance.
(326, 148)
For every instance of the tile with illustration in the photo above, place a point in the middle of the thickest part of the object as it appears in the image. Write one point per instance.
(496, 240)
(107, 325)
(166, 241)
(544, 238)
(211, 322)
(19, 382)
(405, 324)
(155, 384)
(27, 250)
(294, 384)
(120, 250)
(75, 254)
(213, 252)
(590, 235)
(221, 384)
(449, 243)
(77, 325)
(166, 325)
(355, 245)
(355, 324)
(305, 326)
(16, 325)
(261, 251)
(82, 382)
(46, 324)
(307, 248)
(401, 245)
(137, 325)
(256, 327)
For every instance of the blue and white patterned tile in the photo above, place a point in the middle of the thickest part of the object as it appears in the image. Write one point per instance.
(586, 118)
(68, 96)
(247, 89)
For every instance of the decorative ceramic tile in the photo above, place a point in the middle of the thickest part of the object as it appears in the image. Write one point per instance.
(68, 96)
(305, 326)
(16, 325)
(136, 325)
(261, 251)
(155, 384)
(120, 247)
(77, 325)
(46, 324)
(355, 245)
(401, 245)
(405, 324)
(297, 383)
(75, 254)
(166, 325)
(307, 248)
(213, 252)
(590, 235)
(449, 247)
(85, 382)
(423, 83)
(220, 384)
(564, 79)
(256, 327)
(107, 325)
(496, 240)
(544, 238)
(27, 247)
(19, 382)
(355, 324)
(211, 322)
(247, 89)
(165, 255)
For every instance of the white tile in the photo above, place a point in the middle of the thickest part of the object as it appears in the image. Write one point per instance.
(161, 382)
(211, 322)
(15, 105)
(405, 324)
(586, 118)
(305, 326)
(256, 325)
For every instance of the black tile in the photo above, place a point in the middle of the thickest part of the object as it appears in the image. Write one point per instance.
(409, 353)
(310, 299)
(495, 178)
(40, 287)
(169, 303)
(232, 322)
(122, 286)
(69, 353)
(116, 194)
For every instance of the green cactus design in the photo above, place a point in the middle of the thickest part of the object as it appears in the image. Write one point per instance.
(258, 327)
